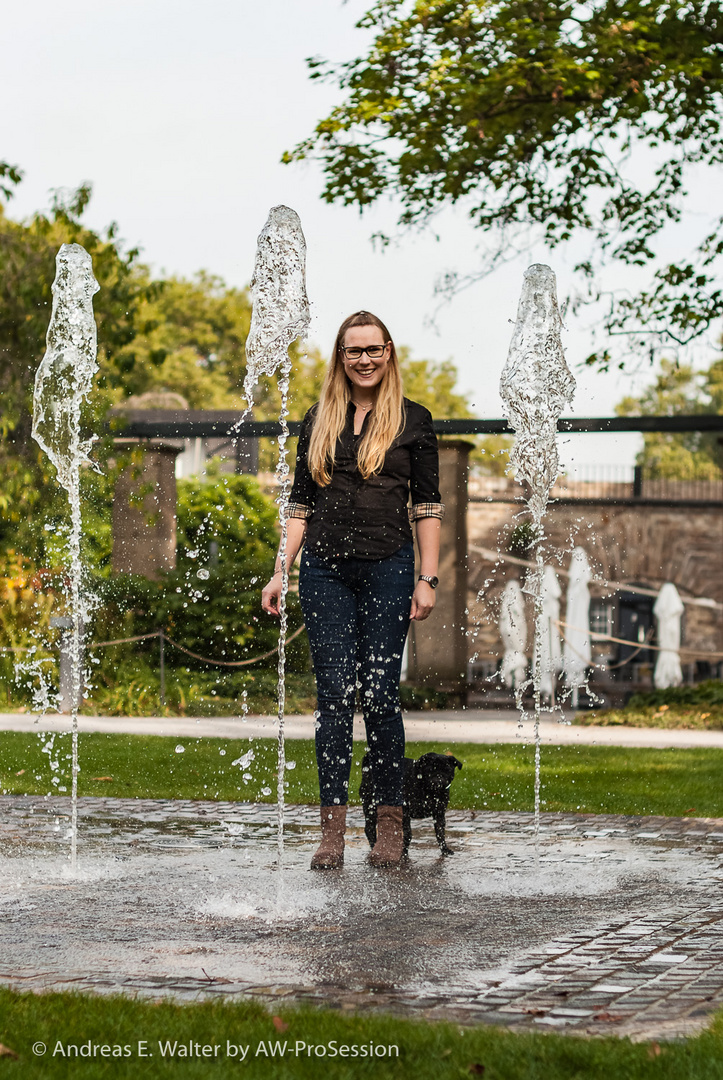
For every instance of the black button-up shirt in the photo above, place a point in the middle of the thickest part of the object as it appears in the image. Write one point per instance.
(369, 519)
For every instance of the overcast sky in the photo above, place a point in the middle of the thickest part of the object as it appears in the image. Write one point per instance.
(178, 112)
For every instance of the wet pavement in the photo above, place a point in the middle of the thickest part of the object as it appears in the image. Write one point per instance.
(607, 925)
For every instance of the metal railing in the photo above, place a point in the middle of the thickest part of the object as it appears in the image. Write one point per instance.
(613, 483)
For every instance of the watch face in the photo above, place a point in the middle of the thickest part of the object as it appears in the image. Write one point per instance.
(433, 582)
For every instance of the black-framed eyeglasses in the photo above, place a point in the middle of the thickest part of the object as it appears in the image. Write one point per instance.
(354, 352)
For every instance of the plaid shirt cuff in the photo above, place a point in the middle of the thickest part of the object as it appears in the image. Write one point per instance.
(298, 510)
(428, 509)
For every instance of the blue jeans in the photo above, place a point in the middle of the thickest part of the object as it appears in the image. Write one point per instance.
(357, 616)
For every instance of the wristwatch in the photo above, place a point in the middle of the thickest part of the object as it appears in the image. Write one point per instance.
(433, 582)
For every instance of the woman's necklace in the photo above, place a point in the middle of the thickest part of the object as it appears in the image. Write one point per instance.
(364, 408)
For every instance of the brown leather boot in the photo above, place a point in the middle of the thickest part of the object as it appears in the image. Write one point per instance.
(390, 839)
(330, 853)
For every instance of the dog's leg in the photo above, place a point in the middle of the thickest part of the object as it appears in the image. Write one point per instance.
(406, 830)
(370, 824)
(440, 826)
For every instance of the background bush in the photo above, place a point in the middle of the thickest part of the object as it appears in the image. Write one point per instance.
(705, 693)
(210, 603)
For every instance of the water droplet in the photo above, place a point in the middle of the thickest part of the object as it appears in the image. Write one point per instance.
(180, 749)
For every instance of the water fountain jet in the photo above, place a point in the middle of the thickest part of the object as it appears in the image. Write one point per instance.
(279, 317)
(63, 381)
(536, 385)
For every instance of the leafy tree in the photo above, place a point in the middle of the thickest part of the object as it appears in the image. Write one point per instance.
(527, 114)
(190, 337)
(9, 175)
(693, 455)
(434, 385)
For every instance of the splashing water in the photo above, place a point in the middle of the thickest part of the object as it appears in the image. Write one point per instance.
(535, 386)
(280, 315)
(62, 382)
(280, 304)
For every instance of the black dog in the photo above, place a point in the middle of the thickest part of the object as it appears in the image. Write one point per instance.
(426, 794)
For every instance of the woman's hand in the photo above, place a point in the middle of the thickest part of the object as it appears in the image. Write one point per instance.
(422, 601)
(271, 595)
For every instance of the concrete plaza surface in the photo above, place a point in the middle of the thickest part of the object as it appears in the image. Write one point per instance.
(452, 726)
(603, 925)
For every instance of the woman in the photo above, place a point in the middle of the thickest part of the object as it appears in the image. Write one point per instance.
(363, 449)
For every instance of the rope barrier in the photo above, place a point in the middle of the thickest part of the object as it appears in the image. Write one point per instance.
(182, 648)
(594, 636)
(232, 663)
(602, 637)
(123, 640)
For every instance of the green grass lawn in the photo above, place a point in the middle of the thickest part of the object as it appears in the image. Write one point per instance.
(589, 779)
(426, 1051)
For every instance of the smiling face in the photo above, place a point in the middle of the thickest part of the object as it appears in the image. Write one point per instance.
(365, 373)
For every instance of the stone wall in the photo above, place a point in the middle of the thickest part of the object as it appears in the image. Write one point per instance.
(638, 542)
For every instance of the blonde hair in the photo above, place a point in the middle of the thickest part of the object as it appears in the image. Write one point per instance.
(386, 419)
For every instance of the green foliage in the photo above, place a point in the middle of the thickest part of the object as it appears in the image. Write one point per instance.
(695, 708)
(434, 385)
(678, 389)
(527, 113)
(211, 602)
(227, 543)
(663, 717)
(9, 175)
(190, 338)
(422, 698)
(709, 692)
(131, 686)
(521, 539)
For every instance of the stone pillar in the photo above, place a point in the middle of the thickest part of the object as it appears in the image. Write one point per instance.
(144, 508)
(438, 645)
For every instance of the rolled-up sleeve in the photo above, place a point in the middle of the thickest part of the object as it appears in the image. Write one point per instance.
(424, 481)
(304, 489)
